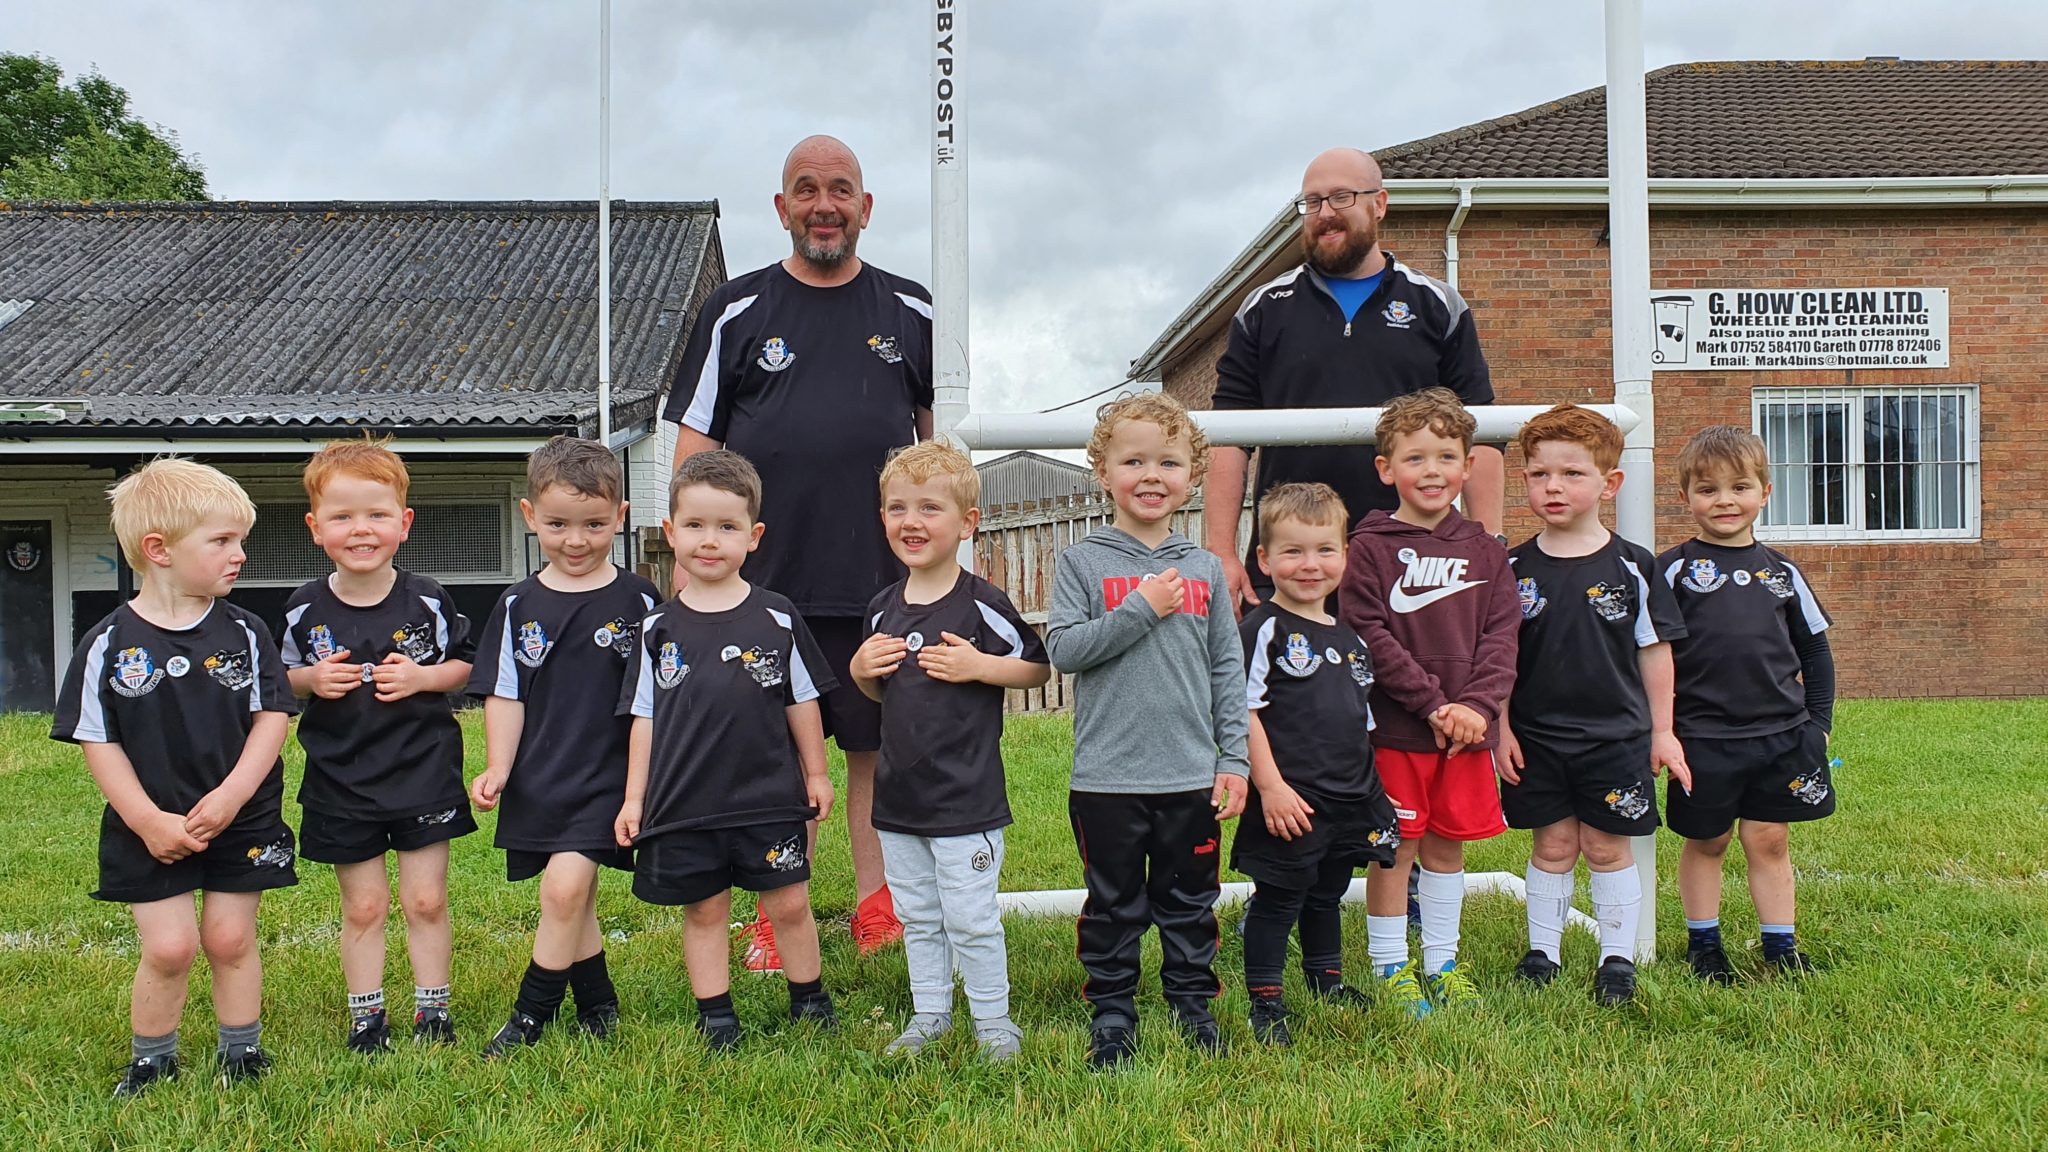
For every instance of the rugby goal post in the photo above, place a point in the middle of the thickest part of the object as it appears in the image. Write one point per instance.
(1633, 409)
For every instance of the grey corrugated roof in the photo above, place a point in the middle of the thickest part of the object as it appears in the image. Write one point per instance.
(345, 314)
(1770, 120)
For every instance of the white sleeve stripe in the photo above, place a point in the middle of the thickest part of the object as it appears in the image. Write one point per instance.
(648, 601)
(1816, 620)
(1259, 293)
(801, 687)
(1671, 573)
(1261, 665)
(704, 401)
(255, 668)
(918, 306)
(289, 650)
(92, 715)
(1415, 277)
(643, 688)
(440, 624)
(508, 670)
(1646, 629)
(875, 621)
(1003, 628)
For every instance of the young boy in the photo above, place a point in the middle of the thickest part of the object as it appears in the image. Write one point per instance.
(378, 649)
(945, 645)
(727, 756)
(1589, 726)
(552, 657)
(1431, 594)
(1756, 700)
(1159, 725)
(180, 705)
(1317, 810)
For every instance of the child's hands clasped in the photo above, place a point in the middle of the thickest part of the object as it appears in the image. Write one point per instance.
(1165, 592)
(1457, 727)
(214, 812)
(878, 656)
(336, 676)
(167, 838)
(396, 678)
(953, 660)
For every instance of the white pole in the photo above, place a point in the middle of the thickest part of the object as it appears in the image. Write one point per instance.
(604, 223)
(1628, 230)
(949, 220)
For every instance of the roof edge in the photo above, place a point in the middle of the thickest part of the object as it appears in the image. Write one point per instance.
(118, 207)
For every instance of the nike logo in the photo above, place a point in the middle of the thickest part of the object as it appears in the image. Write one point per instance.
(1403, 601)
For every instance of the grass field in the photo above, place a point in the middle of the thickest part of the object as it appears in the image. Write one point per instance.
(1925, 900)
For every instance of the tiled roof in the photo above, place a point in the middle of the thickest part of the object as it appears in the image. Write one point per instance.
(1772, 119)
(389, 315)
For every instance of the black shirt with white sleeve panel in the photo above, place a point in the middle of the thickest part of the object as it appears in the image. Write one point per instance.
(1583, 620)
(367, 760)
(1311, 685)
(1753, 630)
(717, 686)
(180, 702)
(563, 656)
(941, 771)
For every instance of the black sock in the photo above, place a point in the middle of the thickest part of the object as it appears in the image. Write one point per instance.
(1698, 939)
(1268, 920)
(800, 992)
(540, 993)
(719, 1005)
(592, 984)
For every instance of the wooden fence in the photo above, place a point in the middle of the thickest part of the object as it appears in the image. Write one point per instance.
(1015, 550)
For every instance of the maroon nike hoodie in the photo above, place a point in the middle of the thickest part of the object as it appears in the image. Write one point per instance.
(1439, 614)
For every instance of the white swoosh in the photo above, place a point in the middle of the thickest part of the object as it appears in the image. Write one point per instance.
(1401, 600)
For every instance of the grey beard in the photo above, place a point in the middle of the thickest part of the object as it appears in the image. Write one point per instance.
(826, 257)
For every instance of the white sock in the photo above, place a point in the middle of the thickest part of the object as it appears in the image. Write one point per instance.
(1618, 902)
(1550, 896)
(1442, 896)
(1386, 941)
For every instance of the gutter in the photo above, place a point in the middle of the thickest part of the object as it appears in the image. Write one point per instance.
(1451, 233)
(1229, 289)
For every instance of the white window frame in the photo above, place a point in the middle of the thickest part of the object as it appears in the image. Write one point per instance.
(1855, 465)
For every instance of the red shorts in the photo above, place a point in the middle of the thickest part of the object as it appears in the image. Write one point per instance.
(1455, 797)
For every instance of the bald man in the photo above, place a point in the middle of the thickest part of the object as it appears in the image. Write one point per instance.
(815, 368)
(1350, 327)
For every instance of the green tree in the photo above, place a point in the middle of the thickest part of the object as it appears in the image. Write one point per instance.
(78, 141)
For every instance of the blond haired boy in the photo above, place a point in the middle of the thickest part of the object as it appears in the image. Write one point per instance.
(180, 704)
(944, 644)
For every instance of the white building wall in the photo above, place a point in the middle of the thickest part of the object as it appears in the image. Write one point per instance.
(649, 464)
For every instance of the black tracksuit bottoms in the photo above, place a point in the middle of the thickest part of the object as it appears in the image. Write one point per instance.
(1147, 860)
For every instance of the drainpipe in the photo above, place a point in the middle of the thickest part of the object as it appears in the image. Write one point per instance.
(1451, 233)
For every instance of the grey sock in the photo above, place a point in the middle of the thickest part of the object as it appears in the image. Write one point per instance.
(424, 998)
(361, 1004)
(247, 1035)
(142, 1047)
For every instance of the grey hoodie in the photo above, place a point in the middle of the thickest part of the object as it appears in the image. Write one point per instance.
(1159, 704)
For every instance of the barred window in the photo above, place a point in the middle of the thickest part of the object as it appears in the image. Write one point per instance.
(450, 542)
(1851, 464)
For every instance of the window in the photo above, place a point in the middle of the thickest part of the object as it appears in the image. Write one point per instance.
(453, 543)
(1851, 464)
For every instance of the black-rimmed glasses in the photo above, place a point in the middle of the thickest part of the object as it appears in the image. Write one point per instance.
(1310, 205)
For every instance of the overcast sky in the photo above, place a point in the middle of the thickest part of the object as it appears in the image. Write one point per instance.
(1122, 151)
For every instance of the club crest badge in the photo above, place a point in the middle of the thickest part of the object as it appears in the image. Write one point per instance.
(885, 347)
(763, 664)
(320, 641)
(1629, 803)
(274, 855)
(135, 674)
(914, 641)
(669, 668)
(1398, 314)
(415, 641)
(1741, 577)
(1780, 583)
(1330, 655)
(230, 669)
(787, 856)
(369, 673)
(1388, 837)
(534, 644)
(23, 555)
(618, 635)
(729, 652)
(430, 819)
(1299, 659)
(177, 666)
(1361, 669)
(1811, 787)
(1703, 576)
(775, 354)
(982, 860)
(1609, 600)
(1532, 598)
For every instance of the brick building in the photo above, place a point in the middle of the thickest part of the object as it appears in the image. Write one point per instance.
(1911, 496)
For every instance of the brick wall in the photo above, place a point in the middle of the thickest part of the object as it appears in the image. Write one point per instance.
(1932, 619)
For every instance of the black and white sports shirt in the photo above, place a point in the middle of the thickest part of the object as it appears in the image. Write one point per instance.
(1311, 685)
(1753, 630)
(1583, 620)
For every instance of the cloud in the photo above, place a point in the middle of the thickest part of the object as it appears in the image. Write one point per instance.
(1121, 153)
